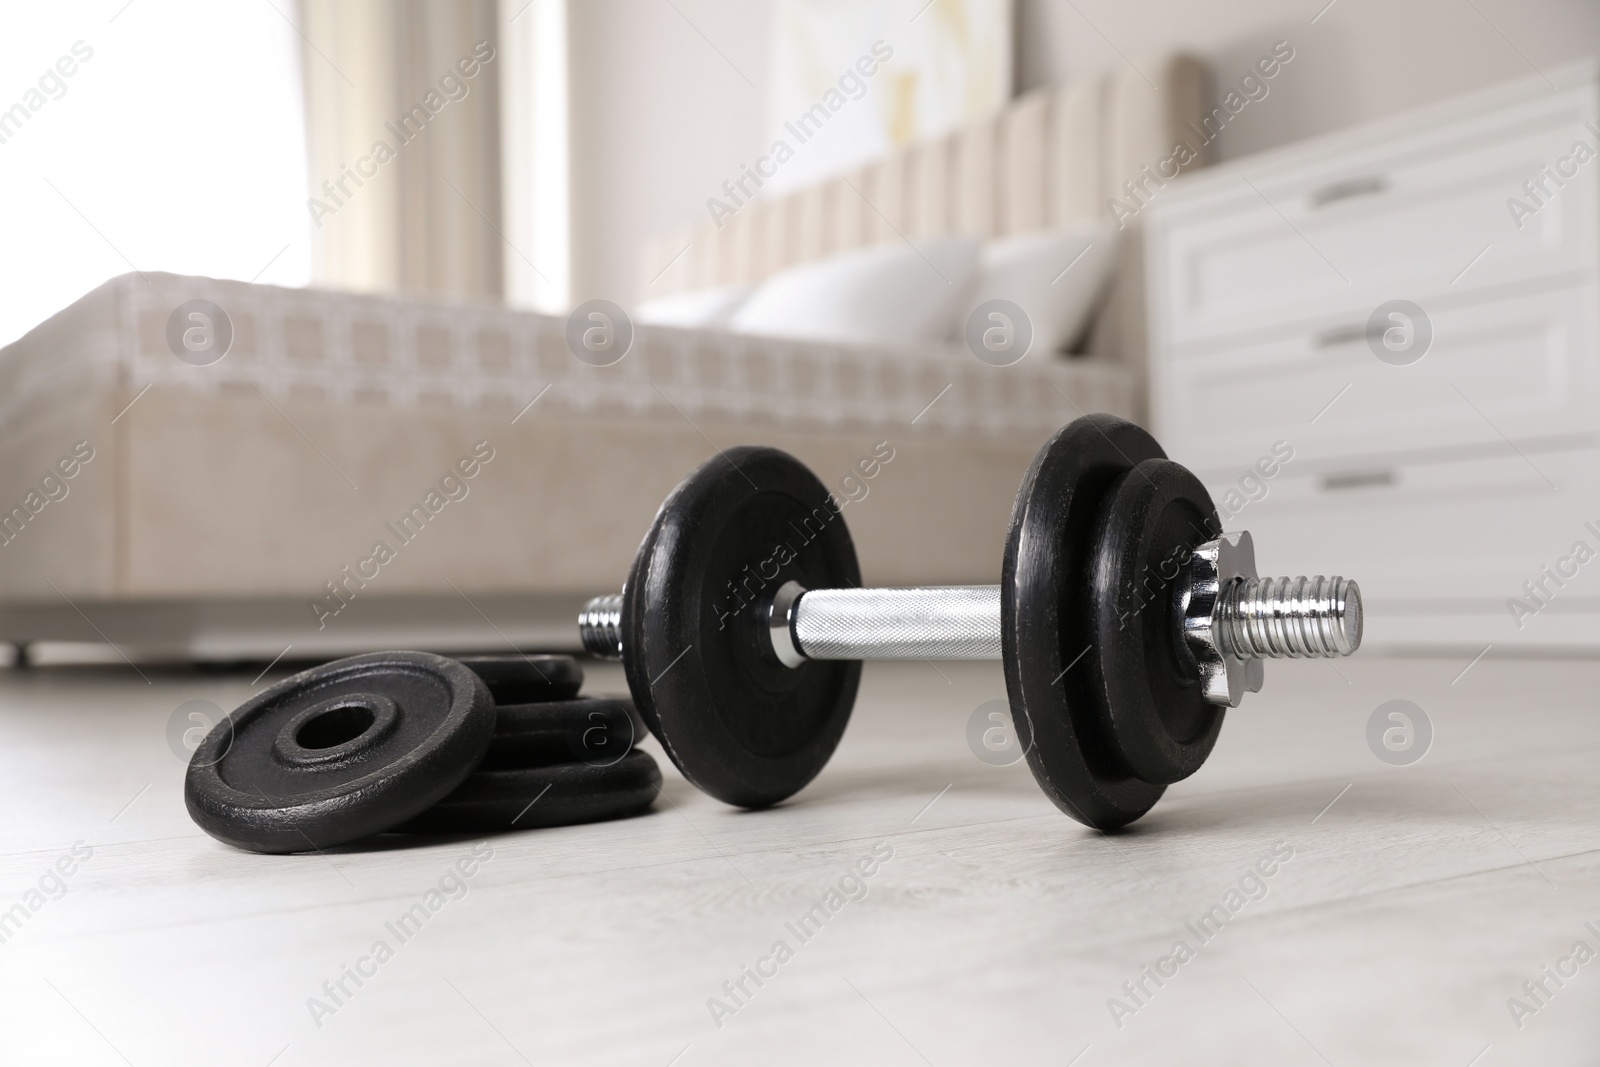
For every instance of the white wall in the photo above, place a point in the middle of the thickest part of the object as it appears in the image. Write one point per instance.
(1359, 60)
(665, 106)
(662, 114)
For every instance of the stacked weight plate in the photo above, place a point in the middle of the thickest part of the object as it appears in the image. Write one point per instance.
(418, 743)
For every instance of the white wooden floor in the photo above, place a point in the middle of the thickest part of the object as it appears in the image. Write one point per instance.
(1409, 913)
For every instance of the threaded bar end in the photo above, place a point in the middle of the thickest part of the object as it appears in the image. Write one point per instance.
(1293, 618)
(600, 626)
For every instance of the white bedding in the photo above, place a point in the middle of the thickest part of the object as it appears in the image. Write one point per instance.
(901, 295)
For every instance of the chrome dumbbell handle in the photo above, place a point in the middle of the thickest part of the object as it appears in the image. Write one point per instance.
(930, 622)
(1230, 618)
(933, 622)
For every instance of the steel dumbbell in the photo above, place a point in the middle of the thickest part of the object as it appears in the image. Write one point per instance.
(1126, 619)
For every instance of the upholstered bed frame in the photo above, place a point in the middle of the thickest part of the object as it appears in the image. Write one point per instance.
(235, 510)
(1053, 157)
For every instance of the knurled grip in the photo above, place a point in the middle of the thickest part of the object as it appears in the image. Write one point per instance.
(933, 622)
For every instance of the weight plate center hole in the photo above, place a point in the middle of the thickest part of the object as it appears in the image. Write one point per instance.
(336, 726)
(337, 730)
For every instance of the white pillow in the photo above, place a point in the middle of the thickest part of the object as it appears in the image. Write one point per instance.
(701, 307)
(1055, 276)
(890, 294)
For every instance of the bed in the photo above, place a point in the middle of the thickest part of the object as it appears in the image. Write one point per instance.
(234, 510)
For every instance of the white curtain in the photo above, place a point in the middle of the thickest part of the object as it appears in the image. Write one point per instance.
(403, 125)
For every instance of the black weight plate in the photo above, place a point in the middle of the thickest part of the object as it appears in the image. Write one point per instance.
(519, 679)
(1045, 629)
(558, 795)
(737, 722)
(641, 730)
(1148, 688)
(595, 730)
(339, 752)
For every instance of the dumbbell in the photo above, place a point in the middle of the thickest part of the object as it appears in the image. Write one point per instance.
(1126, 619)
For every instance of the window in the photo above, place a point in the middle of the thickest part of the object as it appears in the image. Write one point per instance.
(176, 143)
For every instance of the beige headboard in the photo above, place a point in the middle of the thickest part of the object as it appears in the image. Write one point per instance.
(1049, 158)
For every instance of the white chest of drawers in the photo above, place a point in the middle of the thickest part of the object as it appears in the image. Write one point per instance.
(1445, 484)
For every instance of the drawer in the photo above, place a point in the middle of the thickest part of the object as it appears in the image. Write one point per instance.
(1257, 247)
(1468, 533)
(1518, 369)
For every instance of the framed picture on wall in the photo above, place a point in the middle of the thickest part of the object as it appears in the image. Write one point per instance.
(854, 79)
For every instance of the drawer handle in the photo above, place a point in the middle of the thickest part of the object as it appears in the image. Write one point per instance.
(1371, 185)
(1357, 480)
(1340, 335)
